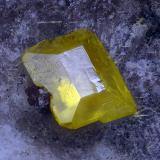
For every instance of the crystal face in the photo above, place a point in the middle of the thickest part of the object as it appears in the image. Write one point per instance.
(84, 83)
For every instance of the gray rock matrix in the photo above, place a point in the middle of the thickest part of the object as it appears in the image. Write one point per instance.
(130, 31)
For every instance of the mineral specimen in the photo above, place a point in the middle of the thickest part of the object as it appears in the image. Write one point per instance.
(84, 83)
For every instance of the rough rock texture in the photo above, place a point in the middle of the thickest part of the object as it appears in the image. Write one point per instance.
(130, 30)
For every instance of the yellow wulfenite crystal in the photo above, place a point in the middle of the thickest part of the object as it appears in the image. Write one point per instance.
(84, 83)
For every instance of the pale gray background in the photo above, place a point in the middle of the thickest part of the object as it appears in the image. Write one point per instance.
(130, 30)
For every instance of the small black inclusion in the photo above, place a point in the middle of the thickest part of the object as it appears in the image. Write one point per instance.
(39, 98)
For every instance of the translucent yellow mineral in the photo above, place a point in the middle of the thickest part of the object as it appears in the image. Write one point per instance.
(84, 83)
